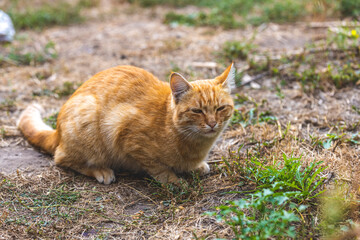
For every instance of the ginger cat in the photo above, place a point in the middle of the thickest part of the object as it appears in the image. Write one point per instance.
(124, 117)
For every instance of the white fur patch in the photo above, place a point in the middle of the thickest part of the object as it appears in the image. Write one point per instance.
(34, 113)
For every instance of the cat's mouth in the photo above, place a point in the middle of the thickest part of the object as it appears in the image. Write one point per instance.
(210, 132)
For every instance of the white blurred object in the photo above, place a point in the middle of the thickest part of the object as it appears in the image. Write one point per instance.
(7, 30)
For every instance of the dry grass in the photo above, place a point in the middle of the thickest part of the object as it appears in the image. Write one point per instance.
(59, 203)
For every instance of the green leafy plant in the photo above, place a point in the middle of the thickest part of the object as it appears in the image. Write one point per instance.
(263, 216)
(350, 8)
(288, 175)
(344, 75)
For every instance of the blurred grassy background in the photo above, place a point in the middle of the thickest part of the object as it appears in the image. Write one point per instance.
(226, 13)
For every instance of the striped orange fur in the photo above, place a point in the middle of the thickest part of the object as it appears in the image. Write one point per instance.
(124, 117)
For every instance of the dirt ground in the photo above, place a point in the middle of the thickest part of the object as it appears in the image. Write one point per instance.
(131, 36)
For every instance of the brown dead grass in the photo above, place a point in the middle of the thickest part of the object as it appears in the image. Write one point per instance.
(59, 203)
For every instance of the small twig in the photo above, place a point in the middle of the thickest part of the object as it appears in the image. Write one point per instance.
(140, 193)
(221, 189)
(336, 144)
(256, 77)
(345, 179)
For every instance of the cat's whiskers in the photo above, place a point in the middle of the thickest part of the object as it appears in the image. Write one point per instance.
(188, 133)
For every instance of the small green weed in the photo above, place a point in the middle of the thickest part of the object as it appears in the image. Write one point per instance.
(263, 216)
(34, 58)
(309, 79)
(354, 139)
(251, 116)
(52, 120)
(67, 89)
(356, 109)
(237, 50)
(344, 75)
(2, 132)
(279, 93)
(8, 105)
(332, 139)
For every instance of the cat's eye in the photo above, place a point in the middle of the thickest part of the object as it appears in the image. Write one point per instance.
(220, 108)
(196, 110)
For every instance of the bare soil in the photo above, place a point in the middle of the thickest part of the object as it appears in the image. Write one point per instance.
(126, 35)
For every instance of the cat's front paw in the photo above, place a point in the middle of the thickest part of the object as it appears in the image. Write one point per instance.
(203, 168)
(104, 175)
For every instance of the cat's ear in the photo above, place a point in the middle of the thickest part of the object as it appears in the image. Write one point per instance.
(179, 85)
(227, 78)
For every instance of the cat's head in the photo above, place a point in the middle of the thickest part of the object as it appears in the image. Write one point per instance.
(202, 107)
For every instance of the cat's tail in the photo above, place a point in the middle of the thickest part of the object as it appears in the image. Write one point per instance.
(36, 131)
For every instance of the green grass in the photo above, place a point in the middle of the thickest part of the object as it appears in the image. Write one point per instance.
(52, 120)
(215, 19)
(350, 8)
(238, 13)
(8, 105)
(262, 216)
(283, 186)
(315, 69)
(65, 90)
(18, 56)
(47, 15)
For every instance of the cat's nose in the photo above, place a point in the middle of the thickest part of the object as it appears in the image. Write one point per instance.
(212, 124)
